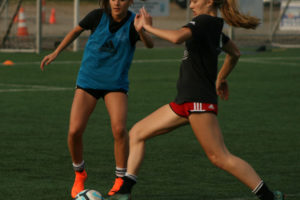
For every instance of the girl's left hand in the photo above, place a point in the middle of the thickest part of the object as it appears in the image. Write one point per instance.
(138, 22)
(222, 89)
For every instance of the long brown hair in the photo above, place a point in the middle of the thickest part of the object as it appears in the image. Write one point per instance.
(105, 5)
(231, 14)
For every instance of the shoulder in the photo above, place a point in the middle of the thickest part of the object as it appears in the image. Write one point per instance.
(205, 24)
(131, 16)
(96, 13)
(91, 19)
(206, 20)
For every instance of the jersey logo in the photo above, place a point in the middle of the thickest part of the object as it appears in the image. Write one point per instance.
(204, 107)
(108, 47)
(211, 106)
(185, 55)
(192, 22)
(197, 107)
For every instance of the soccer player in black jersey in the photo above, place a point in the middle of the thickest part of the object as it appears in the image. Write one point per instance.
(198, 86)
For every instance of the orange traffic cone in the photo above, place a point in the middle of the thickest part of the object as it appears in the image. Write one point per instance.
(8, 63)
(22, 27)
(52, 19)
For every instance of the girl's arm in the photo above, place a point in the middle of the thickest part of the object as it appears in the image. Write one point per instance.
(174, 36)
(145, 38)
(232, 56)
(69, 38)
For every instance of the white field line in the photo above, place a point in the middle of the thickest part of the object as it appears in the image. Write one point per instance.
(30, 88)
(78, 62)
(262, 60)
(269, 62)
(33, 88)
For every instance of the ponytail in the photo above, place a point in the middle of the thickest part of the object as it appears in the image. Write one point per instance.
(232, 16)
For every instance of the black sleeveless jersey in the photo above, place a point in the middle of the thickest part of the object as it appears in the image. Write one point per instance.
(199, 66)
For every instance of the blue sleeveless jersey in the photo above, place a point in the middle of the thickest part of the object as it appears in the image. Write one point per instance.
(107, 58)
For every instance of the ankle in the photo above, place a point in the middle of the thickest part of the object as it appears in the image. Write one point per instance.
(127, 185)
(263, 192)
(79, 167)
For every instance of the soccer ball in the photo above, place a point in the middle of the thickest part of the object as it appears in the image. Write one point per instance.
(89, 195)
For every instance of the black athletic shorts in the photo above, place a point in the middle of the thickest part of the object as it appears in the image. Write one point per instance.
(100, 93)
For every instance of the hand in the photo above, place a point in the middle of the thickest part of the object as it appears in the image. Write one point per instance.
(147, 19)
(222, 89)
(47, 60)
(138, 23)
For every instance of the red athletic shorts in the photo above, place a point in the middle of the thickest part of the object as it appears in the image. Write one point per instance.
(185, 109)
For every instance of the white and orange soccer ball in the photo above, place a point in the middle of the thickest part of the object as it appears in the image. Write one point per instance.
(89, 194)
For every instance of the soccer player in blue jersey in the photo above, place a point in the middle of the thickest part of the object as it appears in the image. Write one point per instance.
(198, 86)
(103, 74)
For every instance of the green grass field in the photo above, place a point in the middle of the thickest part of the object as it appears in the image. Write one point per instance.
(260, 122)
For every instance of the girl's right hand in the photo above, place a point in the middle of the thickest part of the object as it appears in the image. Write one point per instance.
(47, 60)
(222, 89)
(147, 19)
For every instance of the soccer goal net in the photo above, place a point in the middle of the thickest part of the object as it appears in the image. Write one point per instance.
(15, 19)
(286, 27)
(32, 25)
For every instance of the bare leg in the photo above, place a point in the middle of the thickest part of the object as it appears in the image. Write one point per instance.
(208, 133)
(116, 103)
(82, 107)
(159, 122)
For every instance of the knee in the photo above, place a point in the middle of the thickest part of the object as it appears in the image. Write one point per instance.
(75, 132)
(119, 132)
(135, 134)
(220, 160)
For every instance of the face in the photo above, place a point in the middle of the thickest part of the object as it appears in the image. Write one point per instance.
(201, 7)
(119, 8)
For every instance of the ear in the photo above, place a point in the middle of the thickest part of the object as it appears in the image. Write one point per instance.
(210, 3)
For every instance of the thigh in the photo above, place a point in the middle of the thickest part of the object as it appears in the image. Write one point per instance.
(159, 122)
(82, 107)
(117, 107)
(207, 131)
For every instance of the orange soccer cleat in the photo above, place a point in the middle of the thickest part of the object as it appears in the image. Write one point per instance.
(78, 185)
(118, 183)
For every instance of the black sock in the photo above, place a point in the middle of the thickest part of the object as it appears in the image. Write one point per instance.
(264, 193)
(127, 185)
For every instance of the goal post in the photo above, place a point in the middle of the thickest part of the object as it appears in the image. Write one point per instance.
(75, 23)
(38, 26)
(286, 29)
(12, 43)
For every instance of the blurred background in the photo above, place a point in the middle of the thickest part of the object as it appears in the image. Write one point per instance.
(260, 122)
(19, 20)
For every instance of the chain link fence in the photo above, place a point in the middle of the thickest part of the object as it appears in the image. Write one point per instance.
(63, 13)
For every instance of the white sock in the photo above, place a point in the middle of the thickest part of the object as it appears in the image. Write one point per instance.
(131, 176)
(79, 167)
(120, 172)
(257, 188)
